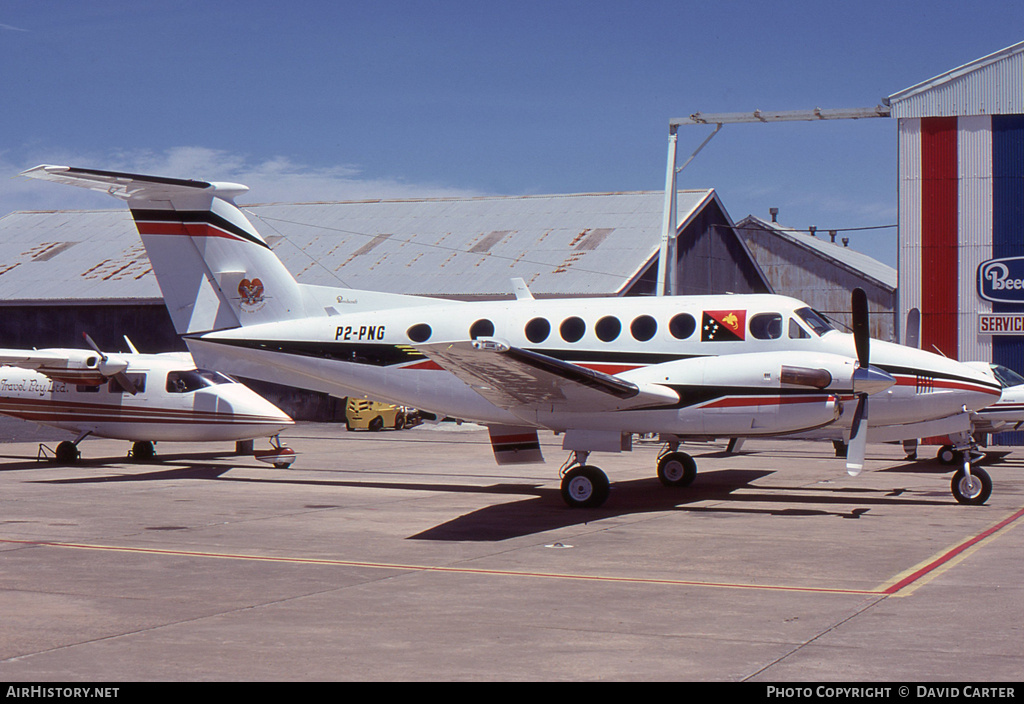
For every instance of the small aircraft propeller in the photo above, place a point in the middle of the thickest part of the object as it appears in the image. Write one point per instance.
(866, 381)
(112, 367)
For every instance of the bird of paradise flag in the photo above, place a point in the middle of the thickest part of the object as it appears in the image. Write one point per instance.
(723, 326)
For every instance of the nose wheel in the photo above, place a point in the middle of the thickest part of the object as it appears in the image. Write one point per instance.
(971, 487)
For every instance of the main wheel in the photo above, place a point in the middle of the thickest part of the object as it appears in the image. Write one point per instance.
(142, 450)
(677, 469)
(585, 487)
(972, 490)
(67, 452)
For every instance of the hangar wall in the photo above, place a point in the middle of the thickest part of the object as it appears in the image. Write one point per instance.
(961, 212)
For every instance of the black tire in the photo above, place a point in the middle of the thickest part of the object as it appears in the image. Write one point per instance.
(585, 487)
(974, 492)
(399, 422)
(677, 469)
(143, 451)
(67, 452)
(376, 425)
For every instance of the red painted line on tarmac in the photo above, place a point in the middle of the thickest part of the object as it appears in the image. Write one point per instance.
(950, 554)
(427, 568)
(902, 584)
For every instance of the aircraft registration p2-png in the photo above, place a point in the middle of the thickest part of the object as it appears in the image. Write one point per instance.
(143, 398)
(595, 370)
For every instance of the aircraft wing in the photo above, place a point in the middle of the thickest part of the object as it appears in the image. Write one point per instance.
(518, 379)
(66, 365)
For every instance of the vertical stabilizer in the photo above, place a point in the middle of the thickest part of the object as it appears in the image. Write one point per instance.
(214, 269)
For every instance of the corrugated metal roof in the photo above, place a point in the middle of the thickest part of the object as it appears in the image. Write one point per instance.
(843, 256)
(80, 255)
(567, 245)
(991, 85)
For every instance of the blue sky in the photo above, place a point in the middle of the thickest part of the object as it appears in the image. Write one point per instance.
(391, 98)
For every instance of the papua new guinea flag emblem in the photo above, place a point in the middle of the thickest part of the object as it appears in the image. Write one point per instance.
(723, 326)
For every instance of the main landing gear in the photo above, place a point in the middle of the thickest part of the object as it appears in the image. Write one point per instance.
(587, 486)
(583, 485)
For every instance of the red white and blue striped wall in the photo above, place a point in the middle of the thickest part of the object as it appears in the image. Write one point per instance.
(961, 195)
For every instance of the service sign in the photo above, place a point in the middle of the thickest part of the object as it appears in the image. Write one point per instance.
(1002, 280)
(1001, 323)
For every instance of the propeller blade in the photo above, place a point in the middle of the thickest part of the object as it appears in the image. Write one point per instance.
(95, 347)
(126, 383)
(861, 333)
(858, 438)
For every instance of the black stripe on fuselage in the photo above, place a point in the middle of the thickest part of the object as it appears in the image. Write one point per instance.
(385, 355)
(910, 371)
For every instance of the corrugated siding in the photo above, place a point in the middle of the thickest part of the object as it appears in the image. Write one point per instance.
(993, 85)
(975, 225)
(909, 293)
(939, 240)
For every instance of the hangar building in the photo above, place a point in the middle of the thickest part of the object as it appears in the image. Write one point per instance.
(961, 210)
(816, 268)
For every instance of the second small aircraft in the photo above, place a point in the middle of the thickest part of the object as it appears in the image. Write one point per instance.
(138, 397)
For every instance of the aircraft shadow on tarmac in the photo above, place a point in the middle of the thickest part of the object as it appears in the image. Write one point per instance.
(543, 509)
(547, 512)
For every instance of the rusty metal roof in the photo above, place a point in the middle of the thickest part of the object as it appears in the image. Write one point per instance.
(565, 245)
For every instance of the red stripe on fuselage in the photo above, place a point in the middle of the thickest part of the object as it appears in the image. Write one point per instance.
(740, 401)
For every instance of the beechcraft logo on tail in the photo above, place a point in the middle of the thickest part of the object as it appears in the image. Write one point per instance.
(723, 326)
(251, 293)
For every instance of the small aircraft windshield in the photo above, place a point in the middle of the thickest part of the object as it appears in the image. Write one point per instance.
(818, 324)
(185, 381)
(1006, 376)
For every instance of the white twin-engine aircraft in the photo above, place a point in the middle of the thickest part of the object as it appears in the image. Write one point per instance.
(138, 397)
(596, 371)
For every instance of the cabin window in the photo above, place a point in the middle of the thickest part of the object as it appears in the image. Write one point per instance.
(682, 326)
(608, 328)
(643, 328)
(572, 329)
(537, 330)
(481, 328)
(420, 332)
(796, 331)
(139, 381)
(85, 389)
(766, 326)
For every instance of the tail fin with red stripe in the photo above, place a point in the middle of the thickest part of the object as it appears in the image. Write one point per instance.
(214, 269)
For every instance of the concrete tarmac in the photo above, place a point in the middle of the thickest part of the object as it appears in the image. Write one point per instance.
(409, 555)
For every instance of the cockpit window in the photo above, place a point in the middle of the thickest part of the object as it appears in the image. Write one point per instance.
(1007, 377)
(185, 381)
(819, 325)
